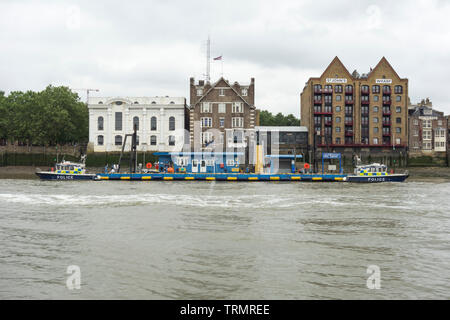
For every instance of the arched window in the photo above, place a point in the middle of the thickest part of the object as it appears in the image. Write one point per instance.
(136, 123)
(100, 102)
(153, 102)
(136, 102)
(153, 125)
(172, 123)
(118, 140)
(100, 140)
(171, 102)
(153, 140)
(100, 123)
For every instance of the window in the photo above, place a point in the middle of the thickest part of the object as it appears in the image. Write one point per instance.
(398, 109)
(398, 89)
(100, 102)
(206, 137)
(153, 125)
(375, 89)
(427, 135)
(416, 133)
(171, 102)
(375, 130)
(338, 129)
(100, 124)
(375, 109)
(338, 119)
(118, 103)
(338, 109)
(222, 108)
(137, 140)
(222, 122)
(100, 140)
(398, 130)
(136, 102)
(386, 89)
(172, 123)
(416, 122)
(398, 98)
(427, 123)
(237, 122)
(365, 88)
(230, 162)
(221, 92)
(244, 92)
(206, 107)
(398, 140)
(171, 140)
(237, 107)
(199, 92)
(376, 98)
(338, 97)
(153, 102)
(338, 88)
(118, 117)
(206, 122)
(118, 140)
(136, 123)
(375, 119)
(338, 140)
(375, 140)
(439, 122)
(398, 120)
(153, 140)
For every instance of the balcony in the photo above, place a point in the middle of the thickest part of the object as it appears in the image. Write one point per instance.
(386, 134)
(317, 101)
(365, 91)
(348, 122)
(328, 123)
(386, 112)
(349, 101)
(326, 113)
(365, 102)
(348, 91)
(387, 91)
(386, 123)
(349, 133)
(317, 90)
(387, 102)
(327, 91)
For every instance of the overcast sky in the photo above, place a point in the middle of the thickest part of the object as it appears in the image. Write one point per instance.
(151, 48)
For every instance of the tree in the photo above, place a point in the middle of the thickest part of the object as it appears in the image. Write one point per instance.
(266, 118)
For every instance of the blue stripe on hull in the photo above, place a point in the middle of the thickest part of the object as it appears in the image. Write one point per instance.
(377, 179)
(66, 177)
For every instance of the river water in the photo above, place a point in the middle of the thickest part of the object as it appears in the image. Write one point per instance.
(212, 240)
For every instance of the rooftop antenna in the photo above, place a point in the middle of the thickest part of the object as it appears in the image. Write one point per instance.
(208, 60)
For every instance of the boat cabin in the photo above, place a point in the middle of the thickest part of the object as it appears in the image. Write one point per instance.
(200, 162)
(371, 169)
(69, 167)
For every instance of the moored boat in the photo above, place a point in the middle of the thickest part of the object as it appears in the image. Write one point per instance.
(375, 172)
(67, 170)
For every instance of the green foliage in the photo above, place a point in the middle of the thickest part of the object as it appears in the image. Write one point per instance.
(266, 118)
(52, 116)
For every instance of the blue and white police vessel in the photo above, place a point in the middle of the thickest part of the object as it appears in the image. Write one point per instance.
(375, 172)
(66, 170)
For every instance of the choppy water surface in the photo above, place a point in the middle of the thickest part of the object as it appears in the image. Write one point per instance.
(211, 240)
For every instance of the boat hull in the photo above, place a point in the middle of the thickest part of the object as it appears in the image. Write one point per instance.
(377, 179)
(65, 176)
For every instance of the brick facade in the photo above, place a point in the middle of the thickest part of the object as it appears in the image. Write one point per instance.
(227, 107)
(349, 111)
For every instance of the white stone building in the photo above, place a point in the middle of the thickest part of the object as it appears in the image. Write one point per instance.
(160, 122)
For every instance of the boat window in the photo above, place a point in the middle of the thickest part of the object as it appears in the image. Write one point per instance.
(71, 168)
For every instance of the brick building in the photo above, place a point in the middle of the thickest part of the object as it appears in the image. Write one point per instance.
(222, 114)
(349, 112)
(427, 129)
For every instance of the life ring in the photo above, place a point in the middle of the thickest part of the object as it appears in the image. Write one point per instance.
(148, 165)
(306, 166)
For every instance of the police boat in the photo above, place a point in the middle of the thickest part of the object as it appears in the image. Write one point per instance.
(66, 170)
(375, 172)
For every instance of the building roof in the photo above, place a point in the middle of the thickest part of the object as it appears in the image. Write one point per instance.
(222, 79)
(138, 100)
